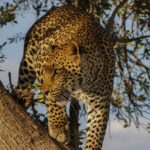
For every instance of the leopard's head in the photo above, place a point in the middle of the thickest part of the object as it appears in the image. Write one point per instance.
(62, 70)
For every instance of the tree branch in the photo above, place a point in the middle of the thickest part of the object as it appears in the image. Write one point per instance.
(18, 130)
(115, 39)
(110, 23)
(140, 63)
(74, 125)
(127, 40)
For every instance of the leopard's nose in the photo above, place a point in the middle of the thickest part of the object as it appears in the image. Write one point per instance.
(46, 93)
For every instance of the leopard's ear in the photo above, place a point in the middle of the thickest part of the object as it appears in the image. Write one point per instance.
(73, 52)
(73, 48)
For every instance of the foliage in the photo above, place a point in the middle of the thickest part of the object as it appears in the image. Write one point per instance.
(2, 57)
(128, 22)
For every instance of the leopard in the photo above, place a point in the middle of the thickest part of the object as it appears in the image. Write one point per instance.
(71, 55)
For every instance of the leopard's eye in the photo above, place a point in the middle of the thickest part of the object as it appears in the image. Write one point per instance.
(54, 46)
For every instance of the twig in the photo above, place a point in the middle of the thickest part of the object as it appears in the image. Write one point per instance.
(5, 14)
(127, 40)
(140, 63)
(110, 23)
(10, 82)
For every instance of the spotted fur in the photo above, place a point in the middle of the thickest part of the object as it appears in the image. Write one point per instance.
(70, 54)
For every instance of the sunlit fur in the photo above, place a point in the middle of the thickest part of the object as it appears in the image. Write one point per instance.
(70, 53)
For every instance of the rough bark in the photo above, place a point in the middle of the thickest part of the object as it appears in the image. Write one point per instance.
(18, 131)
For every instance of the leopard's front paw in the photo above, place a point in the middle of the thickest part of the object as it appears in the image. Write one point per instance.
(23, 96)
(64, 135)
(61, 134)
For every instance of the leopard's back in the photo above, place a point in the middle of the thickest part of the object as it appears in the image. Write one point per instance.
(90, 72)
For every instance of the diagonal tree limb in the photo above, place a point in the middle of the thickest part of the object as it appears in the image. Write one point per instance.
(74, 125)
(109, 26)
(19, 131)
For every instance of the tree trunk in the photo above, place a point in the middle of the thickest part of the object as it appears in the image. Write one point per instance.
(18, 131)
(74, 125)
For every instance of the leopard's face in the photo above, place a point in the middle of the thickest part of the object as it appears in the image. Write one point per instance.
(62, 70)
